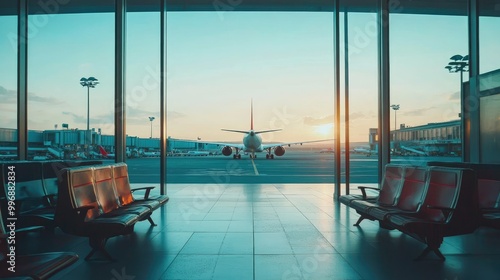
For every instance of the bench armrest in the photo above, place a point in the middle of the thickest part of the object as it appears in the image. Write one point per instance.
(51, 201)
(148, 190)
(489, 210)
(364, 188)
(41, 200)
(24, 231)
(446, 211)
(30, 229)
(82, 211)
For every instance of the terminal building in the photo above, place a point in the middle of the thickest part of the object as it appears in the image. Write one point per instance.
(72, 143)
(430, 139)
(74, 218)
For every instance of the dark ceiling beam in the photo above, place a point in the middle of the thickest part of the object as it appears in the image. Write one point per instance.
(442, 7)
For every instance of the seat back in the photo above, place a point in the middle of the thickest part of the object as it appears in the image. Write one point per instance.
(391, 185)
(488, 181)
(122, 183)
(51, 173)
(27, 176)
(414, 188)
(488, 193)
(3, 241)
(488, 185)
(443, 192)
(81, 190)
(104, 188)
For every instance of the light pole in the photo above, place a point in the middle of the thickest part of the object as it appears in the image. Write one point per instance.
(460, 64)
(395, 107)
(151, 119)
(89, 82)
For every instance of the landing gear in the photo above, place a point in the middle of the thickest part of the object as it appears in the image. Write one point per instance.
(237, 154)
(269, 155)
(253, 156)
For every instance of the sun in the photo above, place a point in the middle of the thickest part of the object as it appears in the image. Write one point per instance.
(324, 129)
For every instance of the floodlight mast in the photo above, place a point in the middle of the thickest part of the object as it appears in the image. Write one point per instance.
(151, 119)
(395, 107)
(89, 82)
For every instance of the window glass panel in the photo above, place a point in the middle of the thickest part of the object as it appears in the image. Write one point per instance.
(425, 94)
(219, 62)
(65, 119)
(363, 97)
(8, 81)
(143, 96)
(489, 81)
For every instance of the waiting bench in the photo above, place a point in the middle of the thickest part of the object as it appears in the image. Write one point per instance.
(36, 191)
(427, 203)
(33, 266)
(488, 188)
(94, 202)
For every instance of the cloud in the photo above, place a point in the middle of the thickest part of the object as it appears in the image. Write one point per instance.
(454, 96)
(76, 118)
(134, 116)
(358, 116)
(329, 119)
(41, 99)
(8, 96)
(417, 112)
(139, 116)
(175, 115)
(318, 121)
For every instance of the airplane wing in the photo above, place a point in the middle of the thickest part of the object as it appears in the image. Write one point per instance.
(267, 146)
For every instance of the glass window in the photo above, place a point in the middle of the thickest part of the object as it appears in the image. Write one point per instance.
(363, 96)
(219, 62)
(71, 85)
(143, 95)
(489, 80)
(8, 81)
(427, 94)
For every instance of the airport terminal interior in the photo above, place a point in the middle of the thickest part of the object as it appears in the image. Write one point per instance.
(100, 179)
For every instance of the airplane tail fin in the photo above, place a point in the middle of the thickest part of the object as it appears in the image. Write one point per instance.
(251, 125)
(103, 151)
(251, 114)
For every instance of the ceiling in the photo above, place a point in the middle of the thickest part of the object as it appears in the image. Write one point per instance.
(440, 7)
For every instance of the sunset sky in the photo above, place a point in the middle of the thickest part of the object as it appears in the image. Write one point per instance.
(218, 64)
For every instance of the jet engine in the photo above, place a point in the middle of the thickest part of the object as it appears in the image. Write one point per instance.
(227, 151)
(279, 151)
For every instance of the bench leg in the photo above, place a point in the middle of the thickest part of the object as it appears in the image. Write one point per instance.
(427, 250)
(151, 221)
(433, 243)
(361, 218)
(97, 244)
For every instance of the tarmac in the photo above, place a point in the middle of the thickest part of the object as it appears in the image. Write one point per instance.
(294, 167)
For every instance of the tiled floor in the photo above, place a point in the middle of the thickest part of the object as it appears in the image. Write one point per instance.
(270, 232)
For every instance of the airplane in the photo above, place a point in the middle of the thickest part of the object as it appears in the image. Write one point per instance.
(8, 156)
(10, 153)
(363, 150)
(105, 154)
(327, 151)
(151, 154)
(198, 153)
(252, 143)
